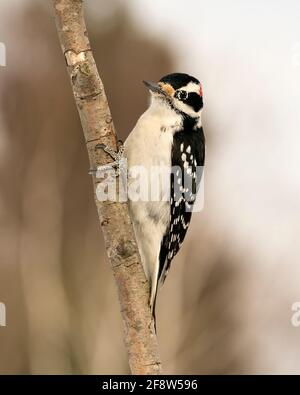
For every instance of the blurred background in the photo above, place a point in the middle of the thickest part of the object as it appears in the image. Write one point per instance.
(226, 306)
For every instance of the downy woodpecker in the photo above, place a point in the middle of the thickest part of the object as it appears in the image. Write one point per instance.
(169, 133)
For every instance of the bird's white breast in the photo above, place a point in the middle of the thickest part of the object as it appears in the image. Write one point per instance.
(150, 141)
(150, 145)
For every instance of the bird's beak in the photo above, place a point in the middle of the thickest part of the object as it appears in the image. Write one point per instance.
(153, 87)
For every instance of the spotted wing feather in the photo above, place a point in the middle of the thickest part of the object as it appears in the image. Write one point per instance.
(188, 152)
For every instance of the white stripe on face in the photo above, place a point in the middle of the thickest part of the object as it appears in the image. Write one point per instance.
(186, 109)
(191, 87)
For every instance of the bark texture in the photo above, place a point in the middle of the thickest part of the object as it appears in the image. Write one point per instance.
(97, 125)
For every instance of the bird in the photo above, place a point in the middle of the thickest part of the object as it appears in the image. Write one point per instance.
(168, 134)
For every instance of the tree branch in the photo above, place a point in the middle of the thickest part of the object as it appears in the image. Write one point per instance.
(97, 124)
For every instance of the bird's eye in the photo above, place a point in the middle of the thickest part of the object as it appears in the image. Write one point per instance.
(182, 95)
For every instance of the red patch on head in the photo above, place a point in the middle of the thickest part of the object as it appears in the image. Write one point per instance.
(200, 91)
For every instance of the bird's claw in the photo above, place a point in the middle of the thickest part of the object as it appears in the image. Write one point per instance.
(108, 150)
(116, 156)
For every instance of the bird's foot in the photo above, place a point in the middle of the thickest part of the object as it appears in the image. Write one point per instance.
(116, 156)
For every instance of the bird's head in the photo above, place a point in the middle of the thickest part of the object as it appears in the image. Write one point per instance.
(181, 92)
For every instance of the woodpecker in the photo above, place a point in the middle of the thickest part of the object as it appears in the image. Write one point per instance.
(168, 133)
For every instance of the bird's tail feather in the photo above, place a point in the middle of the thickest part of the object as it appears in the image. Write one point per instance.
(153, 313)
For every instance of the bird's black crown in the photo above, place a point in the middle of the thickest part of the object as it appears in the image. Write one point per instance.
(178, 80)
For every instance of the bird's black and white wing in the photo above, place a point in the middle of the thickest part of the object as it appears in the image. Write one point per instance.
(188, 155)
